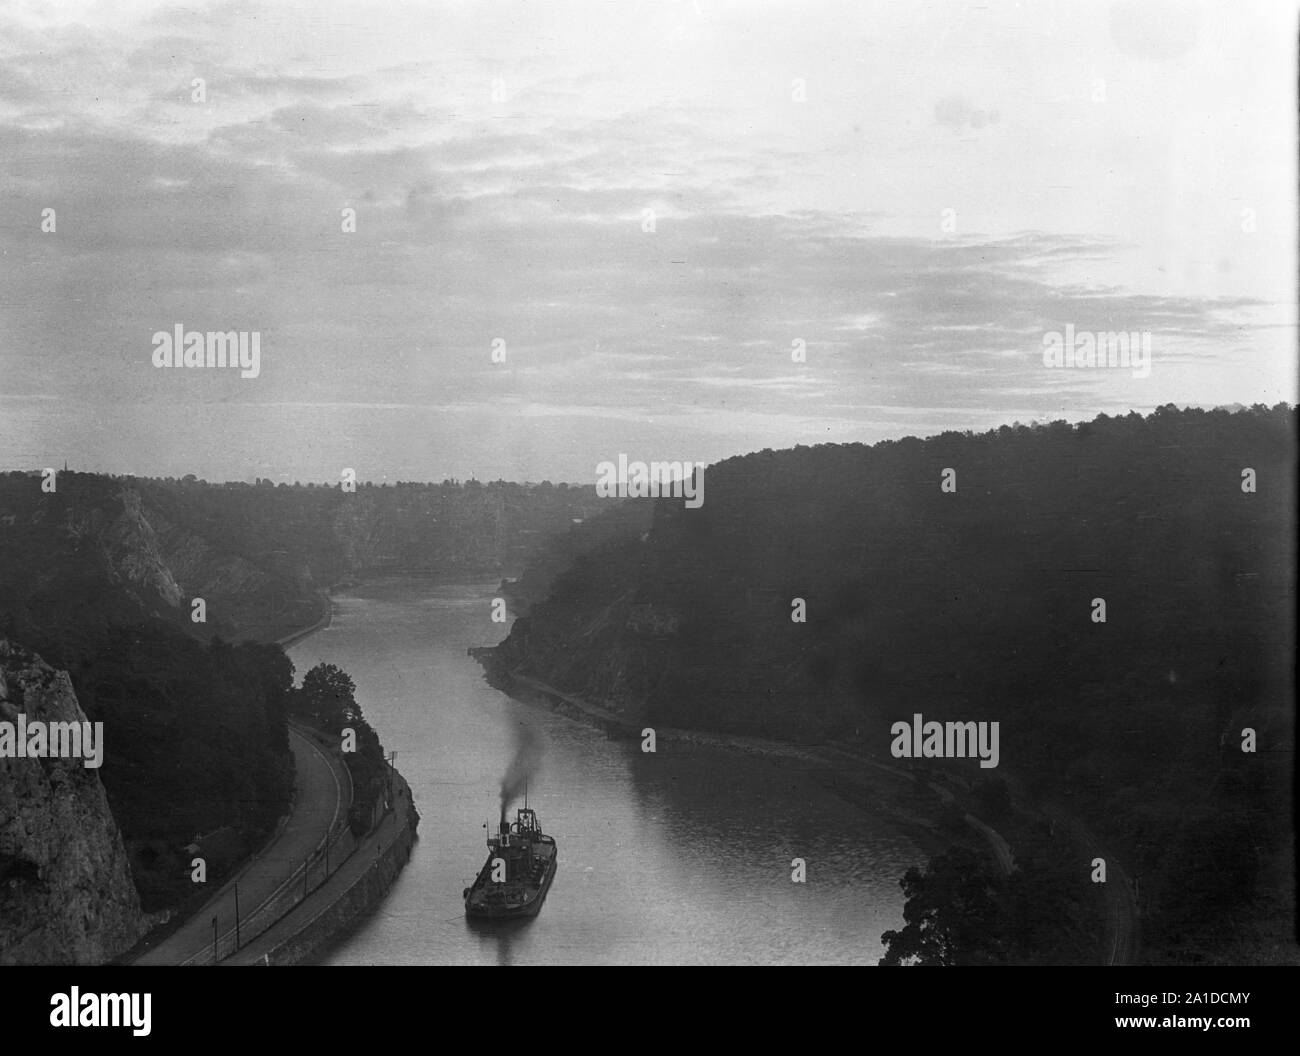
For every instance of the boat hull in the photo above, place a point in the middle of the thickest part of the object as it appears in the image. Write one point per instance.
(529, 904)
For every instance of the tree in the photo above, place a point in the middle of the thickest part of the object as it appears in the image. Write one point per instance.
(953, 912)
(328, 696)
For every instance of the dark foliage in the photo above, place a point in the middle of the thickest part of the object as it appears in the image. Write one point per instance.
(954, 915)
(326, 698)
(977, 605)
(195, 738)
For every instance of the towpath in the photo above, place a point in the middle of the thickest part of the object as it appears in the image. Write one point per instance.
(320, 790)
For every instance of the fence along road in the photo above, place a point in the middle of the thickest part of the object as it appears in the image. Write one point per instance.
(322, 795)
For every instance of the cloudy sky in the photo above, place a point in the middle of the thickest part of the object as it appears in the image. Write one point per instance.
(647, 206)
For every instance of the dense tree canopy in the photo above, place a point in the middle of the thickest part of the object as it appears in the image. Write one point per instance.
(327, 699)
(953, 915)
(979, 603)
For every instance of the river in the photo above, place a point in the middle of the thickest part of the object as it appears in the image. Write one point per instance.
(678, 857)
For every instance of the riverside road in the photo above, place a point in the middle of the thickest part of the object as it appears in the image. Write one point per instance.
(318, 803)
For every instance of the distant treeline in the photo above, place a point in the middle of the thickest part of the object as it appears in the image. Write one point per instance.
(259, 555)
(327, 533)
(978, 603)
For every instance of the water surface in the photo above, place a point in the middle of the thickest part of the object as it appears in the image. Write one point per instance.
(680, 857)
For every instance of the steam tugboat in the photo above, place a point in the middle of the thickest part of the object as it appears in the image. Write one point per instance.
(518, 872)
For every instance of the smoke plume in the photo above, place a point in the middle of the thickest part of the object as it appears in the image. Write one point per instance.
(526, 762)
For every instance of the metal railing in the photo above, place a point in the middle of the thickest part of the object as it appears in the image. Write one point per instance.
(237, 930)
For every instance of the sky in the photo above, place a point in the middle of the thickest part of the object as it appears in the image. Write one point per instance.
(671, 230)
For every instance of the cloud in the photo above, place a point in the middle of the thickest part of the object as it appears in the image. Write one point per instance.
(1155, 30)
(521, 220)
(958, 113)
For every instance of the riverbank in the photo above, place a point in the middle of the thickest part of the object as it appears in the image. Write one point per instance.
(358, 885)
(355, 889)
(934, 808)
(327, 617)
(917, 805)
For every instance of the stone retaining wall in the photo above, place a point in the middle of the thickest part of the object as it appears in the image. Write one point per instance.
(358, 900)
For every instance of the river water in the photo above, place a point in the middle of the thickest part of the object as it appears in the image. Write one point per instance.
(678, 857)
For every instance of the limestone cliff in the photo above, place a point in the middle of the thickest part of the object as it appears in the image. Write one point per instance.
(134, 553)
(66, 893)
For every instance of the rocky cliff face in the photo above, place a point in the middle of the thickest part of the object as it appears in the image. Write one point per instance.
(134, 553)
(244, 600)
(66, 893)
(614, 653)
(117, 533)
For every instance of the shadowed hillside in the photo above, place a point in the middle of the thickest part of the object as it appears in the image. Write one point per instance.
(978, 604)
(100, 576)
